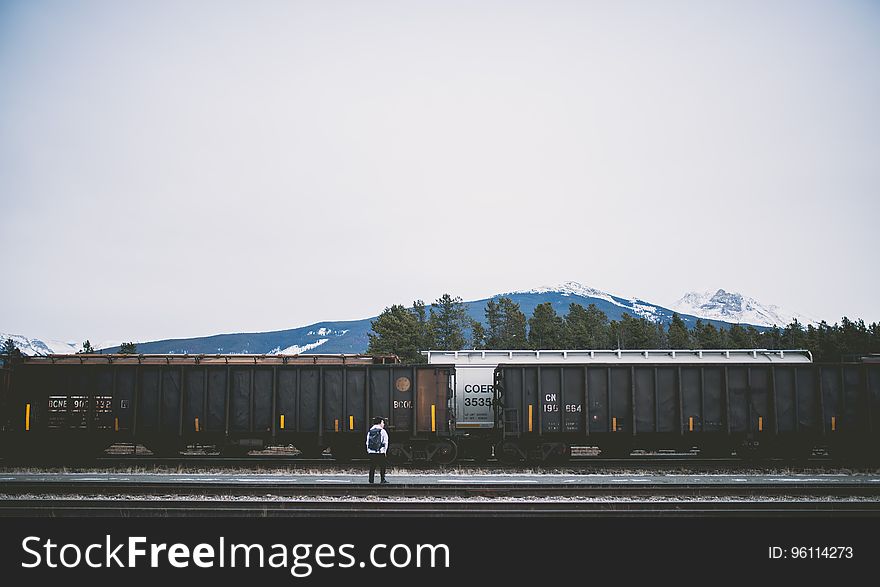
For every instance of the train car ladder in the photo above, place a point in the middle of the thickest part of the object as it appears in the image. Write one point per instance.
(512, 426)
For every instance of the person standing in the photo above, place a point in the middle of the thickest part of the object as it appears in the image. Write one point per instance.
(377, 447)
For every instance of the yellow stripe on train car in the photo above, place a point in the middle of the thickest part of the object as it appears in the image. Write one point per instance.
(282, 421)
(351, 422)
(27, 417)
(433, 418)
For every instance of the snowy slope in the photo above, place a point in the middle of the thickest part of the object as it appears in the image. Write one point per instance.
(36, 346)
(633, 306)
(735, 307)
(320, 338)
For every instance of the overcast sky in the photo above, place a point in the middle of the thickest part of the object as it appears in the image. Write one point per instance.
(176, 169)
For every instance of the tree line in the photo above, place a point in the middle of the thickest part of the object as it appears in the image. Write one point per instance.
(446, 325)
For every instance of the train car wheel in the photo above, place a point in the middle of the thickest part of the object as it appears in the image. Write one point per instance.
(445, 452)
(398, 454)
(561, 454)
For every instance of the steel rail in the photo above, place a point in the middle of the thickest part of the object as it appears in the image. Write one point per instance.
(597, 490)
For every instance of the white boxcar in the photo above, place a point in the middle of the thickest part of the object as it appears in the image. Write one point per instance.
(474, 370)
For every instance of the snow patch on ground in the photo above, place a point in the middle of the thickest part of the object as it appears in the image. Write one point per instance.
(297, 349)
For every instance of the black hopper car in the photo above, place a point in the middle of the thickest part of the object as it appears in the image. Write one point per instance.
(772, 410)
(68, 407)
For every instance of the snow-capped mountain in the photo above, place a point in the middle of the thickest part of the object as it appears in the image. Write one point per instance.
(734, 307)
(48, 346)
(35, 346)
(32, 346)
(719, 308)
(634, 306)
(573, 288)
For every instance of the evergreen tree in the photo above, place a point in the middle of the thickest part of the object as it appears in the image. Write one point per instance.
(585, 328)
(874, 331)
(753, 337)
(10, 350)
(740, 338)
(632, 333)
(494, 324)
(662, 336)
(448, 323)
(128, 348)
(723, 338)
(706, 335)
(478, 335)
(771, 338)
(623, 330)
(649, 334)
(87, 348)
(827, 347)
(794, 336)
(812, 336)
(854, 338)
(514, 325)
(507, 325)
(678, 336)
(398, 332)
(425, 338)
(545, 328)
(615, 336)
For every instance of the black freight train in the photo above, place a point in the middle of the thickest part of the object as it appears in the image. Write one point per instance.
(73, 406)
(773, 410)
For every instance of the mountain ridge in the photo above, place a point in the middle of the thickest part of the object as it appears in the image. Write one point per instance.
(351, 336)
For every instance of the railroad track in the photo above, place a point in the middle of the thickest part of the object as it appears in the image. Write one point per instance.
(450, 488)
(75, 494)
(577, 463)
